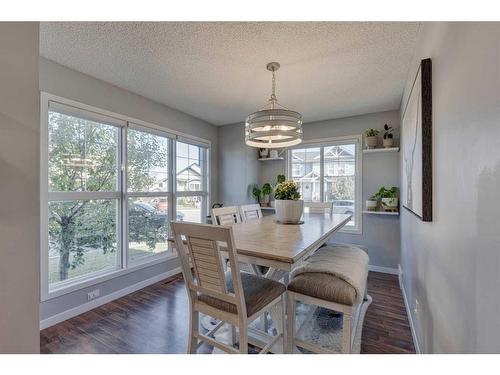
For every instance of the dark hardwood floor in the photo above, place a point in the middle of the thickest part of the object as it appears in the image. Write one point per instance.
(155, 320)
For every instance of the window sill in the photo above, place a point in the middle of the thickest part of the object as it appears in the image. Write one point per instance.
(105, 276)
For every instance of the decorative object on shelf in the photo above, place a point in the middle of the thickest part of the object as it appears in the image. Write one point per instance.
(388, 139)
(263, 195)
(263, 152)
(273, 154)
(371, 138)
(289, 207)
(388, 198)
(417, 145)
(371, 204)
(273, 126)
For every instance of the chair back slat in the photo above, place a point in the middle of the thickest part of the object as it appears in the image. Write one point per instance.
(207, 264)
(250, 212)
(198, 246)
(226, 215)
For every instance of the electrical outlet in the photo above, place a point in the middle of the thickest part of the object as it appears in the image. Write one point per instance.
(93, 294)
(416, 309)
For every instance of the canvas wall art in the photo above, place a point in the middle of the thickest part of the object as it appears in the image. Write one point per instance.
(416, 145)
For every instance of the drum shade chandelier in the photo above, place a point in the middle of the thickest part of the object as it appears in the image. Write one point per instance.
(273, 126)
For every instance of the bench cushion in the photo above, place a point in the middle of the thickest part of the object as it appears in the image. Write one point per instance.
(258, 292)
(324, 286)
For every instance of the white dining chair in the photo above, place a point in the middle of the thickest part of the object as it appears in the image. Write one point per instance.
(226, 215)
(233, 297)
(318, 207)
(250, 212)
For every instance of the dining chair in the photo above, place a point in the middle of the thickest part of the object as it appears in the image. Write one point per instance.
(318, 207)
(232, 297)
(250, 212)
(226, 215)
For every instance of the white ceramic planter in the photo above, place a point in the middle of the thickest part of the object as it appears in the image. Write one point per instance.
(371, 142)
(371, 205)
(390, 204)
(288, 211)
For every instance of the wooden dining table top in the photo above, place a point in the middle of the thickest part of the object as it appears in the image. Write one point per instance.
(285, 243)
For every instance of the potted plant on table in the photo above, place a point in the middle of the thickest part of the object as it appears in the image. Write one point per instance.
(288, 205)
(371, 138)
(388, 198)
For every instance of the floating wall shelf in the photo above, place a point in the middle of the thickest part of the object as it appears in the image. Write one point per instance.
(376, 150)
(269, 159)
(389, 213)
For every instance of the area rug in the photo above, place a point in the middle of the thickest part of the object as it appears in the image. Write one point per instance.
(318, 325)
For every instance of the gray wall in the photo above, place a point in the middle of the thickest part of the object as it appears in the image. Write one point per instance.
(451, 265)
(238, 164)
(19, 171)
(62, 81)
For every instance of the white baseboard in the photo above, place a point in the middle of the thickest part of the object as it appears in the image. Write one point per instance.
(392, 271)
(408, 311)
(65, 315)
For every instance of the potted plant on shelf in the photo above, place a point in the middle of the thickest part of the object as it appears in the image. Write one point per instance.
(288, 205)
(267, 190)
(371, 138)
(263, 194)
(388, 198)
(388, 140)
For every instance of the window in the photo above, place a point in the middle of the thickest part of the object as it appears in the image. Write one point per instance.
(83, 198)
(109, 190)
(191, 182)
(330, 171)
(147, 193)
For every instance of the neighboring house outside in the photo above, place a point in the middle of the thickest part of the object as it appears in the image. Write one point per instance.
(188, 179)
(339, 170)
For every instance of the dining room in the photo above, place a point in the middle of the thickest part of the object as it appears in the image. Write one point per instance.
(250, 187)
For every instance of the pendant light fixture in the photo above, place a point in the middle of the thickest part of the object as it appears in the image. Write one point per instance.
(273, 126)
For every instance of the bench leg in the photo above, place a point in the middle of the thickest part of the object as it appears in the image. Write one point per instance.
(346, 333)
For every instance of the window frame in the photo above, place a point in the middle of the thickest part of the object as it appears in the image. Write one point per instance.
(358, 177)
(124, 263)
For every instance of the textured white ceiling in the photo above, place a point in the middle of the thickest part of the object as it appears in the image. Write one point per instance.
(216, 71)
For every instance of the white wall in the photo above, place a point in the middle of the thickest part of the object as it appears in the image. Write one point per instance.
(451, 265)
(62, 81)
(19, 175)
(239, 169)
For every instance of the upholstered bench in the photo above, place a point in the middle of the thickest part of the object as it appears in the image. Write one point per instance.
(334, 278)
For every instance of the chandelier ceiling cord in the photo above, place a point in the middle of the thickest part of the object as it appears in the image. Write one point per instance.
(274, 126)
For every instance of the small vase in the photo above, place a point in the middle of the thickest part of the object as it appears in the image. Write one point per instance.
(288, 211)
(371, 142)
(371, 205)
(264, 201)
(388, 142)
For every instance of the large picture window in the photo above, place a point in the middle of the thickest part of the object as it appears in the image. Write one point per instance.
(330, 171)
(109, 189)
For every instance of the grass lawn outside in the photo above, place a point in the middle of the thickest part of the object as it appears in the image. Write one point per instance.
(96, 260)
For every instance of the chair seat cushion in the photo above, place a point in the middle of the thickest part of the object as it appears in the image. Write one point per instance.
(258, 292)
(324, 286)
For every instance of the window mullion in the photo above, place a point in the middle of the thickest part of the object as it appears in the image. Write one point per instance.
(124, 203)
(321, 174)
